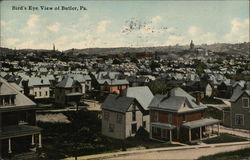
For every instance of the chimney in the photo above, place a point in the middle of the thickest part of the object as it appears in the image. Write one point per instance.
(198, 98)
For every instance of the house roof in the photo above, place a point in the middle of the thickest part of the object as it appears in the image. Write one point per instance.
(37, 81)
(117, 103)
(113, 82)
(142, 94)
(200, 123)
(16, 86)
(21, 99)
(67, 82)
(176, 102)
(163, 125)
(237, 94)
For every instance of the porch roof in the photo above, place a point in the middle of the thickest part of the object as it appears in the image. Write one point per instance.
(163, 125)
(18, 131)
(200, 123)
(74, 94)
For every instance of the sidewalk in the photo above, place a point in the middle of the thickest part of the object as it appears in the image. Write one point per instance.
(127, 153)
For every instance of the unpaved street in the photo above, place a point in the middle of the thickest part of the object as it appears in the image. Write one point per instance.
(181, 154)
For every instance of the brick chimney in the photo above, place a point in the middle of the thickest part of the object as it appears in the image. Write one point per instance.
(198, 98)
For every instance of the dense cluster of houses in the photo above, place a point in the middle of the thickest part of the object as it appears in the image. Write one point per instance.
(128, 104)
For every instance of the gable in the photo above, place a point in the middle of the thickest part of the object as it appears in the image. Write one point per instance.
(185, 107)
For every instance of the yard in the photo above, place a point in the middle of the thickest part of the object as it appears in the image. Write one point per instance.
(83, 137)
(224, 138)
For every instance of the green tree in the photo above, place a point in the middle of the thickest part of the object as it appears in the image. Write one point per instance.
(158, 87)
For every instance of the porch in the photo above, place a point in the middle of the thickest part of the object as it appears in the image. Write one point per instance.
(162, 131)
(200, 129)
(18, 138)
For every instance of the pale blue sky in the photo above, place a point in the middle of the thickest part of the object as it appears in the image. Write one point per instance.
(106, 23)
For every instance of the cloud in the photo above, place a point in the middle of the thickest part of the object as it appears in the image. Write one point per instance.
(10, 42)
(54, 28)
(194, 31)
(102, 26)
(239, 31)
(173, 40)
(156, 19)
(33, 19)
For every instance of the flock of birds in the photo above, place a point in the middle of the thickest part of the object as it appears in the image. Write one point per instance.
(137, 25)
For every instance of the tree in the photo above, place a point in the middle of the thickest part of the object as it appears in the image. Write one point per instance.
(158, 87)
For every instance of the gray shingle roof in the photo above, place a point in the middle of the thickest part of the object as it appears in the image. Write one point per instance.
(21, 99)
(200, 123)
(67, 82)
(142, 94)
(238, 93)
(175, 102)
(37, 81)
(113, 82)
(117, 103)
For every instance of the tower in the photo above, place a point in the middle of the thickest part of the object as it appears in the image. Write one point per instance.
(54, 48)
(191, 45)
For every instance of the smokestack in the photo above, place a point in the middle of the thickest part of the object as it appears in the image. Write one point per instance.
(198, 98)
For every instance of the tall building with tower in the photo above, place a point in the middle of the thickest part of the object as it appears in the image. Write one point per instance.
(54, 48)
(191, 45)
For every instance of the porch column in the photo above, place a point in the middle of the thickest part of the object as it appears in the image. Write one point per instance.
(209, 132)
(40, 141)
(170, 136)
(200, 133)
(9, 146)
(33, 140)
(189, 134)
(161, 133)
(218, 129)
(150, 134)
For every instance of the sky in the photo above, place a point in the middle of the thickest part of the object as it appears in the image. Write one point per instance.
(122, 23)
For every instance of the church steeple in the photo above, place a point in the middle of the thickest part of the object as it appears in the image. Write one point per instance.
(54, 48)
(191, 45)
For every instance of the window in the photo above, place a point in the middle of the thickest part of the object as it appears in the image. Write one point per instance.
(1, 101)
(239, 119)
(119, 118)
(7, 100)
(40, 94)
(12, 100)
(111, 127)
(170, 117)
(134, 128)
(106, 115)
(184, 118)
(134, 113)
(245, 102)
(144, 124)
(156, 116)
(46, 93)
(35, 94)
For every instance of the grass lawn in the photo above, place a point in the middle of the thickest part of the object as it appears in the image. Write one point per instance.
(83, 137)
(234, 155)
(224, 138)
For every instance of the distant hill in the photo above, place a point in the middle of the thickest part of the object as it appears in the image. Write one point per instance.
(239, 48)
